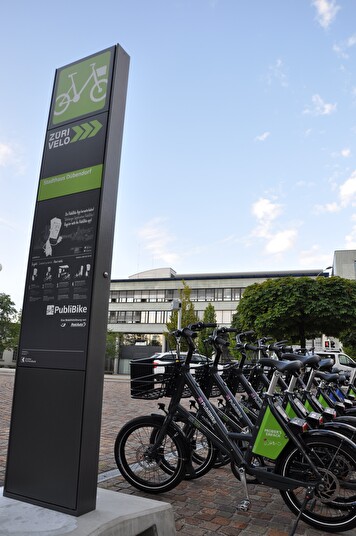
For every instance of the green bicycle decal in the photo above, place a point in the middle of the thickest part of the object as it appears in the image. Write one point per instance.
(82, 88)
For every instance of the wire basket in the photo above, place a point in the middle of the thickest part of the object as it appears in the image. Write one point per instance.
(148, 385)
(232, 378)
(204, 379)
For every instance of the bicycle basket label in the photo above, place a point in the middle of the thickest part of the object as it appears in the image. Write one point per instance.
(82, 88)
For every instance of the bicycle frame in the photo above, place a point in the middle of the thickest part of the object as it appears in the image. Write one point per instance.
(73, 87)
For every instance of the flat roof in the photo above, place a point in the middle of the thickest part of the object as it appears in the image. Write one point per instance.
(232, 275)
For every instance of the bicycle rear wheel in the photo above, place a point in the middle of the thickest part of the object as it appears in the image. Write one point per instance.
(333, 507)
(149, 467)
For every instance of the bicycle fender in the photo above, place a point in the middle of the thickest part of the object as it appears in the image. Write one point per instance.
(342, 428)
(320, 432)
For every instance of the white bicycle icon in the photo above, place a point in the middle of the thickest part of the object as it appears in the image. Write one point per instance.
(97, 92)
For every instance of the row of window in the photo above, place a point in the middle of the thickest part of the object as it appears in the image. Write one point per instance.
(167, 295)
(159, 317)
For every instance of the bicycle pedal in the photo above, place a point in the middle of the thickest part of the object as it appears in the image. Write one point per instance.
(244, 505)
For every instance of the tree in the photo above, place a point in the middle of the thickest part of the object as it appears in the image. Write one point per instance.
(298, 308)
(9, 323)
(189, 316)
(112, 344)
(348, 340)
(209, 316)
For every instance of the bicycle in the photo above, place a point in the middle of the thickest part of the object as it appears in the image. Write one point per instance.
(97, 92)
(314, 470)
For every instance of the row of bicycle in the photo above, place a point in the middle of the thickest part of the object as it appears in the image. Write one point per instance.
(286, 422)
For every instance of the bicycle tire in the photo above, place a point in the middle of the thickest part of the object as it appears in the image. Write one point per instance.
(332, 509)
(62, 102)
(202, 453)
(153, 471)
(96, 94)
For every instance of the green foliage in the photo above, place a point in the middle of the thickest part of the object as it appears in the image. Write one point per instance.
(9, 323)
(208, 318)
(348, 340)
(189, 316)
(113, 340)
(298, 308)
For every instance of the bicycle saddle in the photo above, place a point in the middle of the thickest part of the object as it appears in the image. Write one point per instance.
(281, 366)
(307, 360)
(326, 364)
(327, 376)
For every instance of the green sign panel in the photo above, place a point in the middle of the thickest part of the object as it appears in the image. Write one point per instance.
(76, 181)
(82, 88)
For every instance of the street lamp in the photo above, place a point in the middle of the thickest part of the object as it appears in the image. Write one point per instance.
(325, 269)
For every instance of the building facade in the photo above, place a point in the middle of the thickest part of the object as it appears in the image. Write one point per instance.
(141, 305)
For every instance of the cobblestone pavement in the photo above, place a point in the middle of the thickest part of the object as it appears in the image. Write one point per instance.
(202, 507)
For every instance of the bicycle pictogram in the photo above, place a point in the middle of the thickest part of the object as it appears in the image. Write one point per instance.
(97, 92)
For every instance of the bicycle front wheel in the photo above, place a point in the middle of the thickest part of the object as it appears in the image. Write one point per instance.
(98, 91)
(150, 467)
(333, 506)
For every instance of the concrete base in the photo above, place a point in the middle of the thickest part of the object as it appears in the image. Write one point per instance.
(116, 514)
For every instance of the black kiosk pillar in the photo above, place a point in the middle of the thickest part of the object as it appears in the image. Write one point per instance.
(55, 425)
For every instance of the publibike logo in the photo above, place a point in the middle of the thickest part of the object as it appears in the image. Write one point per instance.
(82, 88)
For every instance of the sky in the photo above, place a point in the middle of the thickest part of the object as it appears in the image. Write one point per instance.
(239, 146)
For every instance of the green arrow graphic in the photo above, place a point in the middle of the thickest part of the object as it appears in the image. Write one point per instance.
(78, 132)
(97, 126)
(86, 130)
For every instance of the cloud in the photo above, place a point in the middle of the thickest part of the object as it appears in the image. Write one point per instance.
(6, 154)
(157, 241)
(326, 12)
(345, 196)
(263, 137)
(313, 257)
(344, 153)
(11, 156)
(319, 107)
(350, 239)
(281, 241)
(347, 191)
(277, 72)
(341, 48)
(267, 212)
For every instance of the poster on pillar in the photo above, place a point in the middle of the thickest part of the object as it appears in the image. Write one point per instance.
(56, 309)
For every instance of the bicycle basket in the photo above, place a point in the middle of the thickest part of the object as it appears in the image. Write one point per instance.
(203, 378)
(147, 385)
(101, 71)
(232, 378)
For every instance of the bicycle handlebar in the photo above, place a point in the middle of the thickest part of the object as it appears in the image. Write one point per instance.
(221, 341)
(202, 325)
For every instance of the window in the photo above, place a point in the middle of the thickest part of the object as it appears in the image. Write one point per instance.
(201, 294)
(219, 294)
(224, 317)
(209, 294)
(235, 294)
(227, 294)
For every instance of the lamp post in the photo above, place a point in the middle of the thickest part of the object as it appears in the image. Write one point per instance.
(325, 269)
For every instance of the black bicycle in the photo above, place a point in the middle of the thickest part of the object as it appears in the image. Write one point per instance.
(315, 470)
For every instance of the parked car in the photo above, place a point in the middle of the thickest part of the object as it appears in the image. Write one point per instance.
(341, 362)
(160, 360)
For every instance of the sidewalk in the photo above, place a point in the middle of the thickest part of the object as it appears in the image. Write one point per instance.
(202, 507)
